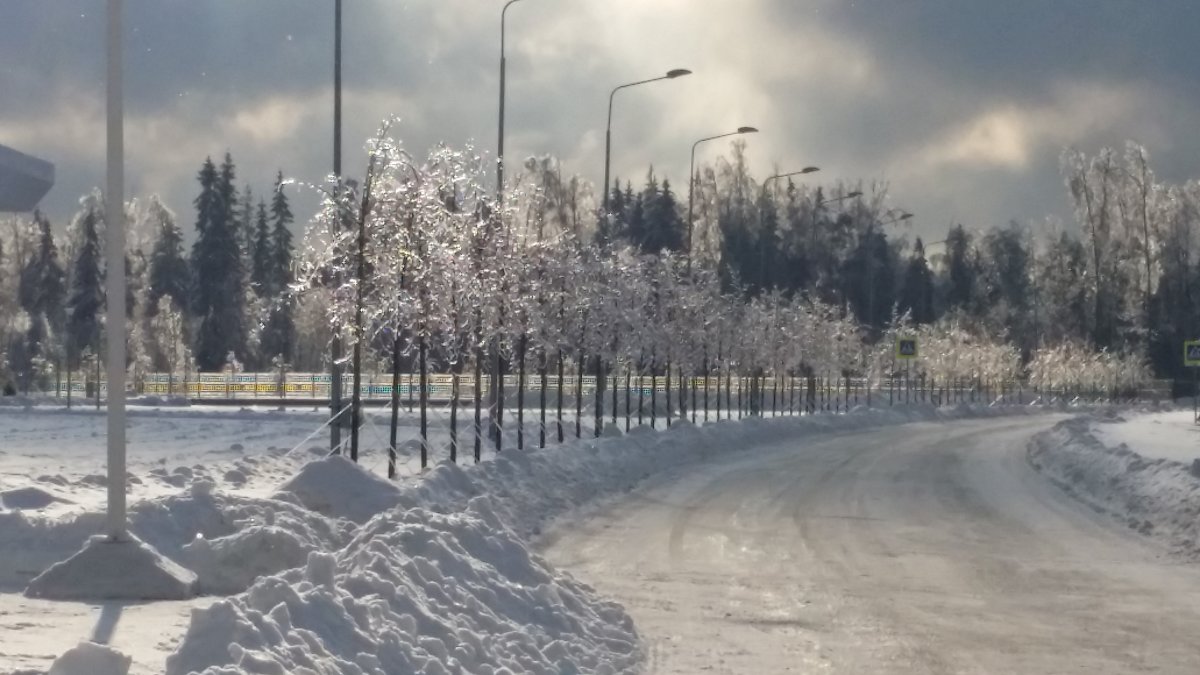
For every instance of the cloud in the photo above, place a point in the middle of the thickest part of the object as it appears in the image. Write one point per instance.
(963, 108)
(1008, 135)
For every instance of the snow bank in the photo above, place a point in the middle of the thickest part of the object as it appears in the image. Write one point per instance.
(89, 658)
(336, 487)
(1154, 432)
(414, 592)
(227, 540)
(32, 543)
(1157, 497)
(114, 570)
(29, 498)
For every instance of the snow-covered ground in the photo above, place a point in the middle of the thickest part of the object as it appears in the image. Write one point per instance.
(929, 549)
(332, 557)
(1170, 434)
(1135, 467)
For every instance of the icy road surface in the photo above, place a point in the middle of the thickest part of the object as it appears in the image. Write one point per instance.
(922, 549)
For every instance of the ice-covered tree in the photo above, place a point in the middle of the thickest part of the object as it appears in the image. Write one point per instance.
(85, 301)
(218, 276)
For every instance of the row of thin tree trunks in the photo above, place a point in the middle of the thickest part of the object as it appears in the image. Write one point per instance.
(789, 395)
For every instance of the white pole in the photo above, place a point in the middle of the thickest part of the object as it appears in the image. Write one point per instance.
(114, 219)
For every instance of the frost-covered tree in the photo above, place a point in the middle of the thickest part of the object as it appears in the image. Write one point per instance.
(916, 296)
(218, 276)
(262, 278)
(169, 270)
(85, 301)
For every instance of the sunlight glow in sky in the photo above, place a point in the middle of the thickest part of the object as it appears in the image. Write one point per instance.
(963, 107)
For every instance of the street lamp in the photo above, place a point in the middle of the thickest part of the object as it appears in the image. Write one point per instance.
(807, 169)
(503, 85)
(671, 75)
(692, 182)
(114, 219)
(495, 403)
(765, 269)
(904, 215)
(852, 195)
(335, 344)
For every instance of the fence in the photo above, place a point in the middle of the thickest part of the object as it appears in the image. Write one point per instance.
(781, 391)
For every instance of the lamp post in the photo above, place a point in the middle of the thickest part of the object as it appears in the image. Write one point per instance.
(503, 86)
(335, 345)
(114, 219)
(692, 182)
(904, 215)
(763, 247)
(805, 170)
(495, 401)
(672, 74)
(599, 370)
(852, 195)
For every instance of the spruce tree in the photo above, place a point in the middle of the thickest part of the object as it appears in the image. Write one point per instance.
(663, 228)
(261, 277)
(86, 298)
(245, 228)
(42, 287)
(281, 237)
(762, 273)
(217, 265)
(169, 274)
(963, 269)
(917, 293)
(279, 335)
(41, 293)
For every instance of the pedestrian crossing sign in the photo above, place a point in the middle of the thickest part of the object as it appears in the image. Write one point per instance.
(1191, 353)
(906, 348)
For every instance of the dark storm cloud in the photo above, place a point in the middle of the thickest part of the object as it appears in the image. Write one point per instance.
(963, 106)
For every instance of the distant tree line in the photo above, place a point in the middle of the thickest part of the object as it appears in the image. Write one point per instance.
(1124, 278)
(224, 302)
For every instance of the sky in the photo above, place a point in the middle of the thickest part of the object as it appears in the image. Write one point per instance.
(963, 108)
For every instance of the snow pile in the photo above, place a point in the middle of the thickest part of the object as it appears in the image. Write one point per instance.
(414, 592)
(32, 543)
(89, 658)
(338, 488)
(114, 570)
(1156, 497)
(30, 498)
(227, 540)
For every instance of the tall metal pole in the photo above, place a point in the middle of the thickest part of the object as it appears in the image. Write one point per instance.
(335, 372)
(766, 269)
(604, 213)
(495, 398)
(114, 220)
(678, 72)
(692, 183)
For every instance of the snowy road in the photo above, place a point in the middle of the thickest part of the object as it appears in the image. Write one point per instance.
(922, 549)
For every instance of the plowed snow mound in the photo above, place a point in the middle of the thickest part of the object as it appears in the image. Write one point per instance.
(339, 488)
(1157, 497)
(414, 592)
(226, 539)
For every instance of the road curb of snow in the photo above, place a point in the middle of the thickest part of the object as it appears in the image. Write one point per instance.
(1159, 498)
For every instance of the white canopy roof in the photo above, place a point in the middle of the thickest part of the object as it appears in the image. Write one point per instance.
(24, 180)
